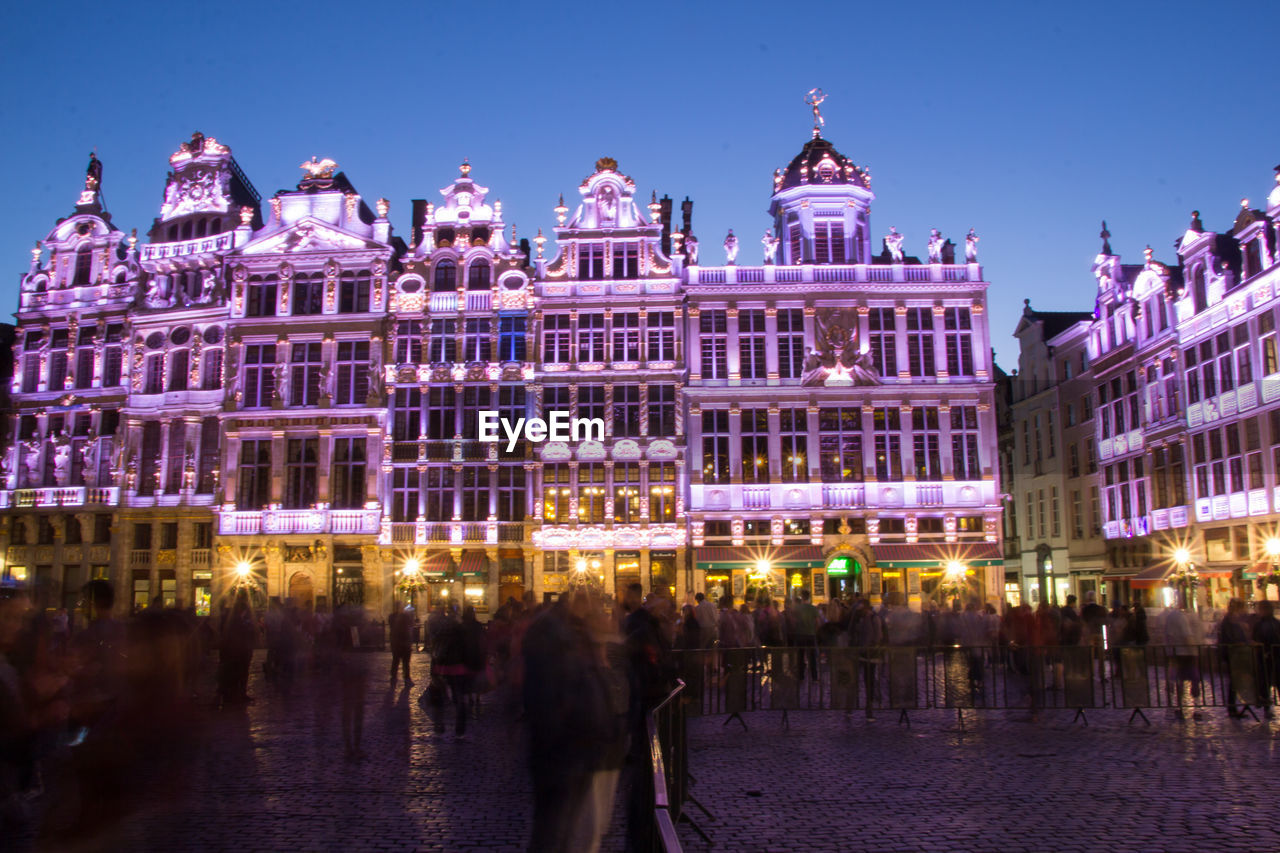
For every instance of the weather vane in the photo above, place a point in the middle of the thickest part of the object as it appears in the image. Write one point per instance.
(815, 99)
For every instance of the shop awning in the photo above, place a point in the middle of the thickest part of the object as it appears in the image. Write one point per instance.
(475, 563)
(435, 565)
(932, 555)
(727, 558)
(1153, 575)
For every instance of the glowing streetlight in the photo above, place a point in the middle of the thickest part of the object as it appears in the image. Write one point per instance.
(1182, 556)
(1273, 549)
(955, 571)
(412, 567)
(243, 570)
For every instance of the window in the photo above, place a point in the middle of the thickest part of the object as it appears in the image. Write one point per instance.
(259, 375)
(840, 444)
(591, 261)
(555, 398)
(713, 328)
(141, 536)
(662, 336)
(920, 342)
(555, 493)
(591, 337)
(1050, 434)
(755, 445)
(794, 431)
(794, 243)
(751, 343)
(662, 410)
(1030, 516)
(475, 493)
(1073, 461)
(353, 292)
(301, 456)
(828, 242)
(883, 332)
(965, 458)
(511, 493)
(626, 336)
(1077, 515)
(304, 385)
(1026, 441)
(512, 403)
(887, 426)
(1040, 513)
(261, 297)
(348, 489)
(476, 343)
(408, 342)
(1054, 513)
(626, 493)
(437, 491)
(113, 357)
(154, 382)
(101, 529)
(591, 402)
(58, 360)
(211, 368)
(404, 494)
(210, 439)
(1253, 448)
(475, 400)
(31, 372)
(626, 411)
(84, 358)
(662, 491)
(511, 339)
(1267, 333)
(715, 446)
(1091, 454)
(626, 260)
(176, 456)
(556, 339)
(84, 265)
(790, 342)
(958, 328)
(479, 275)
(1244, 361)
(352, 361)
(255, 474)
(169, 535)
(308, 294)
(926, 438)
(441, 413)
(443, 342)
(591, 492)
(446, 276)
(179, 361)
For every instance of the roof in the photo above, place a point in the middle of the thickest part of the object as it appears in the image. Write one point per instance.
(806, 167)
(1057, 322)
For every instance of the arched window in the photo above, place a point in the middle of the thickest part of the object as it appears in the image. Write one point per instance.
(446, 276)
(186, 231)
(478, 276)
(84, 265)
(1197, 288)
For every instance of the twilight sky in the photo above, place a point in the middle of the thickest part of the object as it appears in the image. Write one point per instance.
(1029, 122)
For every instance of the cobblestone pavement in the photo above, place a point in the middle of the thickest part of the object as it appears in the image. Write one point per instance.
(271, 777)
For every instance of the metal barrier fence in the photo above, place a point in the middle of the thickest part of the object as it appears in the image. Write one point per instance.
(668, 756)
(901, 679)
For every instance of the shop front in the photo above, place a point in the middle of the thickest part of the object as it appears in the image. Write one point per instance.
(923, 574)
(752, 572)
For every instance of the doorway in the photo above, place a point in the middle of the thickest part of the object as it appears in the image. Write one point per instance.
(302, 591)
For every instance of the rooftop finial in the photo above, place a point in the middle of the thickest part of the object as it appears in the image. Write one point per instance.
(1106, 238)
(814, 99)
(1196, 225)
(465, 168)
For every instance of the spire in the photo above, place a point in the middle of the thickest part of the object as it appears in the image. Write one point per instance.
(814, 98)
(1106, 239)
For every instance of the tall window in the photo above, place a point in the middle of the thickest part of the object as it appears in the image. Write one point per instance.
(662, 336)
(446, 276)
(964, 443)
(475, 493)
(713, 326)
(958, 328)
(755, 445)
(84, 357)
(511, 339)
(211, 369)
(926, 439)
(828, 242)
(1243, 347)
(308, 294)
(408, 342)
(751, 343)
(794, 430)
(58, 360)
(1270, 352)
(304, 378)
(662, 492)
(591, 402)
(591, 492)
(474, 400)
(176, 457)
(840, 440)
(154, 383)
(511, 491)
(437, 486)
(352, 363)
(795, 243)
(556, 341)
(715, 446)
(920, 342)
(790, 342)
(254, 486)
(1077, 515)
(479, 275)
(404, 494)
(348, 473)
(662, 410)
(626, 411)
(626, 336)
(555, 493)
(626, 493)
(591, 337)
(591, 261)
(301, 457)
(113, 357)
(476, 344)
(179, 365)
(1055, 511)
(84, 265)
(441, 413)
(259, 375)
(886, 423)
(261, 301)
(626, 260)
(353, 292)
(443, 342)
(406, 414)
(884, 352)
(210, 440)
(1050, 434)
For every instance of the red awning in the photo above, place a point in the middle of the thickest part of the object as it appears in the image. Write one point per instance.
(474, 563)
(1153, 575)
(938, 552)
(751, 554)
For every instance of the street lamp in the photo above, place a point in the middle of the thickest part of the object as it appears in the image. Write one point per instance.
(1273, 554)
(1186, 578)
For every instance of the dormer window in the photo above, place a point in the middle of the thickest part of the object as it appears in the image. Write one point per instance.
(828, 242)
(826, 170)
(1252, 259)
(626, 261)
(84, 265)
(446, 277)
(479, 276)
(590, 261)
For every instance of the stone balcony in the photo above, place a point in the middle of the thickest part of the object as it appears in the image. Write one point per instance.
(59, 496)
(308, 521)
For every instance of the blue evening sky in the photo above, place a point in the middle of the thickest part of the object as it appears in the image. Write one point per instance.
(1028, 121)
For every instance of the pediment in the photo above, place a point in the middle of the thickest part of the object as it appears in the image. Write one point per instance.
(307, 235)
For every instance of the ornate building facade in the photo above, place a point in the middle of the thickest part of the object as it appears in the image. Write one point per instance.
(291, 396)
